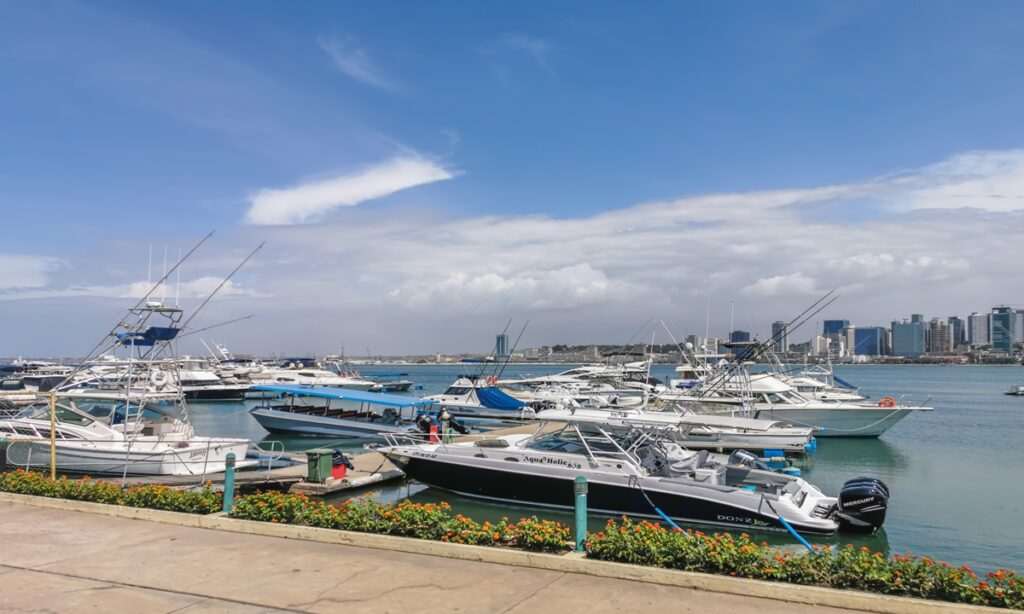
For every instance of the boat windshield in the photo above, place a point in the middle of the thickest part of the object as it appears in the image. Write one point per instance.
(63, 414)
(457, 390)
(567, 441)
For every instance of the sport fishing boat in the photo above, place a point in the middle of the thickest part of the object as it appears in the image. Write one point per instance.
(764, 396)
(104, 433)
(336, 412)
(477, 396)
(633, 467)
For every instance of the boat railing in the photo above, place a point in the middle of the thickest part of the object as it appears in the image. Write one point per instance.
(275, 452)
(442, 438)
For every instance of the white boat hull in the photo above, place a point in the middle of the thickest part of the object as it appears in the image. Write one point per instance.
(141, 458)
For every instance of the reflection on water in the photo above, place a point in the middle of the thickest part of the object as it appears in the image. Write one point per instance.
(954, 473)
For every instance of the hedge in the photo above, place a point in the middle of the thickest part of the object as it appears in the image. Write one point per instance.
(151, 496)
(623, 540)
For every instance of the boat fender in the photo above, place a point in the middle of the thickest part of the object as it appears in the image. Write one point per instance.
(793, 471)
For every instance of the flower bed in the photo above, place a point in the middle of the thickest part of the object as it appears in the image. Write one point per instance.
(150, 496)
(421, 520)
(646, 543)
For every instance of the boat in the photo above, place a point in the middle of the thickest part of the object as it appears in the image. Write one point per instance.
(103, 433)
(336, 412)
(1016, 390)
(764, 396)
(633, 467)
(305, 371)
(477, 396)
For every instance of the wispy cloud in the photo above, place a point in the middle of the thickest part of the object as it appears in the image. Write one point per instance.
(310, 201)
(536, 48)
(352, 60)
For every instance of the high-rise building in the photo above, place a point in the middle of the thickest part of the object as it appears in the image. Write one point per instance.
(739, 336)
(1018, 331)
(1003, 329)
(819, 346)
(978, 328)
(908, 338)
(869, 341)
(940, 336)
(958, 330)
(834, 327)
(780, 336)
(501, 346)
(917, 317)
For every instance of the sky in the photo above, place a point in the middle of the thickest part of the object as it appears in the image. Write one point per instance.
(422, 173)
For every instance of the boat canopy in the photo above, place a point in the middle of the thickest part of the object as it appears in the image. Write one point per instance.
(345, 394)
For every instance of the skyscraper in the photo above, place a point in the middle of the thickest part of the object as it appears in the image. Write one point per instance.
(1003, 329)
(738, 336)
(940, 336)
(977, 329)
(908, 338)
(869, 341)
(780, 336)
(958, 330)
(834, 327)
(501, 346)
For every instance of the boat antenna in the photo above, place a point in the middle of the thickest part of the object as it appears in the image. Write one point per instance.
(221, 285)
(177, 285)
(149, 266)
(514, 346)
(163, 286)
(732, 315)
(707, 319)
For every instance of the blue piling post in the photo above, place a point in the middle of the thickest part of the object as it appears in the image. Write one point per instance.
(229, 482)
(580, 488)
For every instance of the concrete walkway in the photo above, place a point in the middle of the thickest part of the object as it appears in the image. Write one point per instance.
(57, 561)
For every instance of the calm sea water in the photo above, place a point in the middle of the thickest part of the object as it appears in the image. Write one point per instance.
(956, 474)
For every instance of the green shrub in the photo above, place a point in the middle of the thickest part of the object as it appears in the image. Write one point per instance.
(152, 496)
(433, 521)
(647, 543)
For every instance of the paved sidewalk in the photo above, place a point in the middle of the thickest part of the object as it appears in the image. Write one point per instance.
(60, 561)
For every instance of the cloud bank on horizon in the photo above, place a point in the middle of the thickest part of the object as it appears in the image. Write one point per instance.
(942, 233)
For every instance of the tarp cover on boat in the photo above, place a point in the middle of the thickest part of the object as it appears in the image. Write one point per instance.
(494, 398)
(843, 383)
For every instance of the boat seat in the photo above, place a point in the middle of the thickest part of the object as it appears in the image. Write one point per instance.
(690, 464)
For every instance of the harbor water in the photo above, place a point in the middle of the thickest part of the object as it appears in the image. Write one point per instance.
(956, 474)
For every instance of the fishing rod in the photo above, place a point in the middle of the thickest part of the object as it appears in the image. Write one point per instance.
(514, 346)
(199, 330)
(221, 285)
(757, 350)
(121, 323)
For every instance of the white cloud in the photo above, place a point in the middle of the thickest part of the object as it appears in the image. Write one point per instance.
(310, 201)
(352, 60)
(20, 271)
(781, 285)
(536, 48)
(197, 288)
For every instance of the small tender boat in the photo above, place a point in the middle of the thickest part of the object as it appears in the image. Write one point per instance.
(633, 467)
(1016, 390)
(479, 397)
(335, 412)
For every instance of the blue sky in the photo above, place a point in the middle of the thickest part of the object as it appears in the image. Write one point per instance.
(465, 162)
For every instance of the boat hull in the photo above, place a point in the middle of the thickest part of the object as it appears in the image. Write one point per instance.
(296, 423)
(855, 422)
(97, 458)
(603, 497)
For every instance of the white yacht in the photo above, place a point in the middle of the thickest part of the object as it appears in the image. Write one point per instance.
(475, 396)
(306, 372)
(633, 468)
(762, 395)
(99, 433)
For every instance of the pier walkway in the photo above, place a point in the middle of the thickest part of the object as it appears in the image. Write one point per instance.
(58, 561)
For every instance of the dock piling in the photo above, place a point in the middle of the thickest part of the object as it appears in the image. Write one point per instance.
(580, 488)
(229, 482)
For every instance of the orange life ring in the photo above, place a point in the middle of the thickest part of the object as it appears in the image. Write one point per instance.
(355, 374)
(344, 374)
(491, 379)
(887, 402)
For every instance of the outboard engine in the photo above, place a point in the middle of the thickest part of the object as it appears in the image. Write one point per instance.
(747, 459)
(862, 505)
